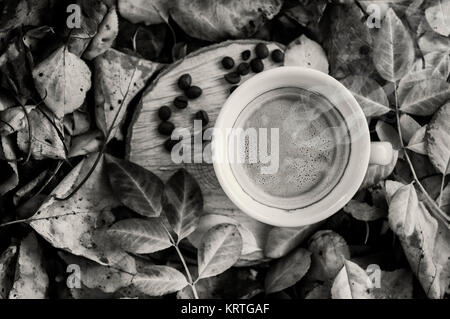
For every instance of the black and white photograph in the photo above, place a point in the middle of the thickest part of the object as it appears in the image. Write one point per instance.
(258, 153)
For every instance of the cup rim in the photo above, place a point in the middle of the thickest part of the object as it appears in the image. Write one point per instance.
(358, 159)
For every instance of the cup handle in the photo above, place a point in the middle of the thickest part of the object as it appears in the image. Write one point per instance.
(381, 153)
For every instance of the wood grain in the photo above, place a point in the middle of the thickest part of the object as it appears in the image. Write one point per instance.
(145, 144)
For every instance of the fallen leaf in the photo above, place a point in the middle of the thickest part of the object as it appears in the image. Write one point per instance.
(395, 284)
(438, 139)
(376, 173)
(136, 187)
(223, 19)
(183, 203)
(118, 77)
(329, 250)
(424, 241)
(352, 282)
(363, 211)
(78, 122)
(159, 280)
(308, 13)
(220, 249)
(24, 12)
(86, 143)
(287, 270)
(307, 53)
(437, 16)
(430, 41)
(140, 236)
(9, 172)
(393, 53)
(369, 94)
(46, 140)
(13, 119)
(282, 240)
(62, 80)
(7, 268)
(145, 11)
(418, 142)
(31, 280)
(408, 126)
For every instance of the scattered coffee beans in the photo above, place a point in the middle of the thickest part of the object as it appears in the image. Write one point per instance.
(261, 51)
(245, 55)
(232, 77)
(166, 128)
(202, 116)
(257, 65)
(227, 62)
(164, 113)
(277, 56)
(184, 82)
(193, 92)
(243, 68)
(180, 102)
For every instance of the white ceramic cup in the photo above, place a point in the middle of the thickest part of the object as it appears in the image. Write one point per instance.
(362, 151)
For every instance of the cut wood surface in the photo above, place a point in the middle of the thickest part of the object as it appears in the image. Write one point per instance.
(145, 144)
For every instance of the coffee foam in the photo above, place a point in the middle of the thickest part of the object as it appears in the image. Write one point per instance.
(313, 146)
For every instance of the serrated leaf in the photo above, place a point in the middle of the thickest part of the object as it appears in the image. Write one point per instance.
(418, 143)
(118, 77)
(140, 236)
(183, 203)
(438, 15)
(159, 280)
(220, 249)
(288, 270)
(352, 282)
(369, 94)
(393, 48)
(363, 211)
(137, 188)
(62, 80)
(306, 53)
(282, 240)
(438, 139)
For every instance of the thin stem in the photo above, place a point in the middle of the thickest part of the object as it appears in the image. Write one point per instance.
(440, 214)
(30, 220)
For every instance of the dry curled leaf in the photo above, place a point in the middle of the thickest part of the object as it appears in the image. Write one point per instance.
(288, 270)
(137, 188)
(393, 53)
(220, 249)
(307, 53)
(62, 81)
(438, 139)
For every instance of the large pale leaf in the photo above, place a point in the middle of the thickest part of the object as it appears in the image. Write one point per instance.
(438, 139)
(369, 94)
(118, 78)
(329, 250)
(438, 17)
(62, 80)
(159, 280)
(31, 280)
(306, 53)
(78, 224)
(393, 48)
(183, 203)
(425, 242)
(282, 240)
(288, 270)
(223, 19)
(136, 187)
(141, 236)
(7, 267)
(220, 249)
(352, 282)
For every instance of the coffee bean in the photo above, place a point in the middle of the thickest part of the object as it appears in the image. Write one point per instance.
(277, 56)
(164, 113)
(180, 102)
(243, 68)
(184, 82)
(202, 116)
(232, 77)
(245, 55)
(261, 51)
(257, 65)
(193, 92)
(234, 87)
(166, 128)
(169, 144)
(227, 62)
